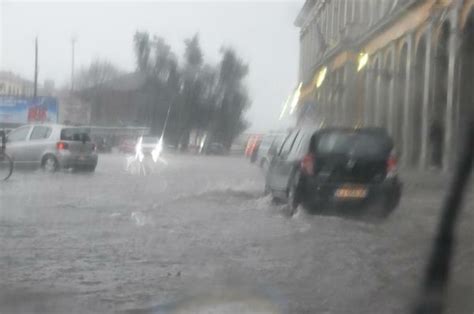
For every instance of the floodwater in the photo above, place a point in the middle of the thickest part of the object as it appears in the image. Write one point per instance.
(198, 236)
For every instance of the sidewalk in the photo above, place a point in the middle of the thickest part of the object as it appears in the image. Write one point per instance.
(433, 182)
(428, 179)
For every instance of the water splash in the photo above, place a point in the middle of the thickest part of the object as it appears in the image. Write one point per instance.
(140, 218)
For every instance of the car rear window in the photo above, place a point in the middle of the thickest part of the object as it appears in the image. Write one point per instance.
(355, 144)
(75, 134)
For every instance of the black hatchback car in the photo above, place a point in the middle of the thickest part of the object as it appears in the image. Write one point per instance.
(336, 167)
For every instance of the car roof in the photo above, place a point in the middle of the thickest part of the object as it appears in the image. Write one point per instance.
(367, 130)
(371, 130)
(55, 125)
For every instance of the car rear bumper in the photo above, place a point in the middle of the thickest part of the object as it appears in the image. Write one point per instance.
(324, 194)
(68, 160)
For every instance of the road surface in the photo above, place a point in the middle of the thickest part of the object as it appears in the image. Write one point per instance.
(198, 236)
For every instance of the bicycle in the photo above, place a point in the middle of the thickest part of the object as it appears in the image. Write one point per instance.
(6, 162)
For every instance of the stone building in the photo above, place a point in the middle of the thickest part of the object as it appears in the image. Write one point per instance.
(407, 65)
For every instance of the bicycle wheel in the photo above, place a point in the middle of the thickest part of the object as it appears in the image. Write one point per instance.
(6, 166)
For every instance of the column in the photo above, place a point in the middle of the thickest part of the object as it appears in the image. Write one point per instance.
(311, 43)
(371, 12)
(425, 113)
(407, 139)
(336, 19)
(363, 14)
(368, 97)
(450, 124)
(345, 20)
(324, 25)
(301, 73)
(329, 22)
(391, 93)
(378, 102)
(391, 102)
(352, 12)
(350, 96)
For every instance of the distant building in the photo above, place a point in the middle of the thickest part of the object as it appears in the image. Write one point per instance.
(407, 65)
(14, 85)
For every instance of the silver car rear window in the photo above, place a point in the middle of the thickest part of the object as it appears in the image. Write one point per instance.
(75, 134)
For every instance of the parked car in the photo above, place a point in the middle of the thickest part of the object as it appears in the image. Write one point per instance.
(267, 149)
(127, 146)
(52, 146)
(215, 149)
(336, 167)
(102, 144)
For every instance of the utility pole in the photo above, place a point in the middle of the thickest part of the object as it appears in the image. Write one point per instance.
(73, 46)
(35, 87)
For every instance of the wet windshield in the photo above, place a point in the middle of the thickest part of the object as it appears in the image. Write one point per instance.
(229, 156)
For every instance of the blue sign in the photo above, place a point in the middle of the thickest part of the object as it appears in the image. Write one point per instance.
(23, 110)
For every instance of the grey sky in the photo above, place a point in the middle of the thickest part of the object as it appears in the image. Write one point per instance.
(262, 33)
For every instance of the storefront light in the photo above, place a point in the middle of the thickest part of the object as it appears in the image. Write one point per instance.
(321, 77)
(362, 61)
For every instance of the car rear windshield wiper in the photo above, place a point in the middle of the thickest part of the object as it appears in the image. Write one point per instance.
(433, 290)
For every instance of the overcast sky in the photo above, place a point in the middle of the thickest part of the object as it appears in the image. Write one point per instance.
(262, 32)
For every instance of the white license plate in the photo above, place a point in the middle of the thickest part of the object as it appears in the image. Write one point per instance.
(82, 157)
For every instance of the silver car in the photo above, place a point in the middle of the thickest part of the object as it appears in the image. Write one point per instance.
(52, 146)
(267, 150)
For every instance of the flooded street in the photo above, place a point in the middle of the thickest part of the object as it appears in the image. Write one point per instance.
(198, 234)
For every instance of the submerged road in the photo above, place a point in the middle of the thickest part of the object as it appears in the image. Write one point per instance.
(198, 236)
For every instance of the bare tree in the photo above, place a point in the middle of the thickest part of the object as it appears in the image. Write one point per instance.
(142, 46)
(90, 84)
(96, 74)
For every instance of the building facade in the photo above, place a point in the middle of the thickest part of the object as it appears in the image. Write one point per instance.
(406, 65)
(14, 85)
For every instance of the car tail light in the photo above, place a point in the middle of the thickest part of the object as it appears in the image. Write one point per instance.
(307, 164)
(392, 165)
(61, 145)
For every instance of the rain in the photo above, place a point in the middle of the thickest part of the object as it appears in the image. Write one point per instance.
(234, 157)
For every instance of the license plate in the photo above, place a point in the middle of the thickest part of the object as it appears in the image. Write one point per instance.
(351, 193)
(82, 158)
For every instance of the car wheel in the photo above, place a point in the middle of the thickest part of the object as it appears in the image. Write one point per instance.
(50, 163)
(268, 192)
(294, 194)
